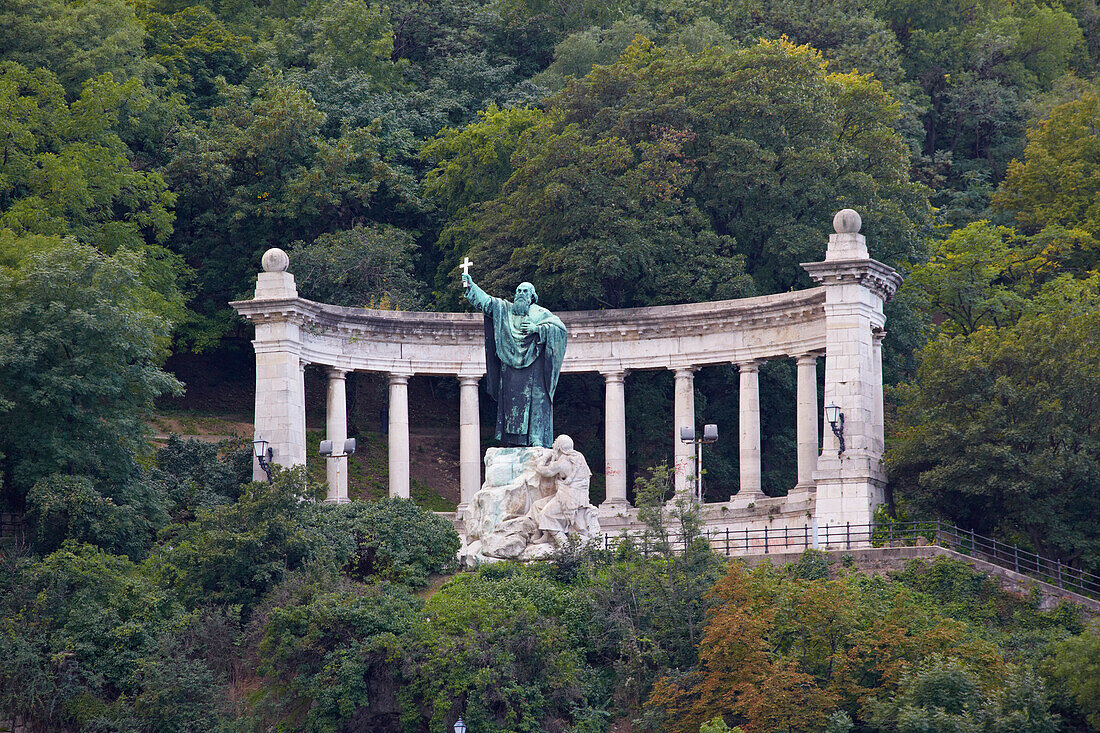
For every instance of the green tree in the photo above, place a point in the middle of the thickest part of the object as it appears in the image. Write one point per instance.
(757, 145)
(1076, 666)
(234, 554)
(471, 165)
(196, 475)
(1000, 422)
(979, 276)
(61, 508)
(368, 266)
(496, 647)
(944, 696)
(82, 339)
(603, 223)
(76, 42)
(195, 48)
(977, 64)
(92, 641)
(329, 649)
(261, 174)
(1052, 192)
(65, 171)
(575, 56)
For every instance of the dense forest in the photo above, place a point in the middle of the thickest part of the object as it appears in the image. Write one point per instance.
(617, 154)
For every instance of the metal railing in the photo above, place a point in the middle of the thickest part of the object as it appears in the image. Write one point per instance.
(765, 541)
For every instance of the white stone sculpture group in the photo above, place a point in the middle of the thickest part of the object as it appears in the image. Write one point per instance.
(532, 500)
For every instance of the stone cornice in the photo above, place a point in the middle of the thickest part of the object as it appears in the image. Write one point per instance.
(872, 274)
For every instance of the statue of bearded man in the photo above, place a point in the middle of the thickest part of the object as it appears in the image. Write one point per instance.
(524, 350)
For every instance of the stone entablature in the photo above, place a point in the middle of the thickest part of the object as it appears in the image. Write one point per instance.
(841, 320)
(655, 337)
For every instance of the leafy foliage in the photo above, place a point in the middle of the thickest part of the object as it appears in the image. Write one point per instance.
(694, 171)
(784, 653)
(368, 266)
(232, 555)
(1075, 665)
(82, 339)
(93, 641)
(1000, 422)
(394, 540)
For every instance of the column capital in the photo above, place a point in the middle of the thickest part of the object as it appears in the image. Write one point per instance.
(810, 357)
(613, 375)
(468, 379)
(398, 377)
(336, 372)
(878, 334)
(750, 365)
(684, 371)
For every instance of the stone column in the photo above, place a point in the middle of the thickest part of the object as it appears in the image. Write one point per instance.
(615, 440)
(336, 430)
(850, 485)
(399, 435)
(749, 429)
(683, 415)
(302, 364)
(878, 435)
(469, 441)
(808, 417)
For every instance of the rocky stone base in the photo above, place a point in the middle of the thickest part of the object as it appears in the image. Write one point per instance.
(498, 523)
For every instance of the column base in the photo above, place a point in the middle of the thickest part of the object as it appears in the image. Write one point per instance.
(341, 500)
(742, 499)
(615, 506)
(802, 491)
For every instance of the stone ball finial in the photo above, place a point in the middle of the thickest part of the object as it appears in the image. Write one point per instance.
(275, 260)
(847, 221)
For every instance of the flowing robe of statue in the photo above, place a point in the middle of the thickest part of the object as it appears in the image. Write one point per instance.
(521, 369)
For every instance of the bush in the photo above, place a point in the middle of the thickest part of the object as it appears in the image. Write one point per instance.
(234, 554)
(329, 649)
(502, 649)
(61, 507)
(199, 475)
(92, 642)
(394, 540)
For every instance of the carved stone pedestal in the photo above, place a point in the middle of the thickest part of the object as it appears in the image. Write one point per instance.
(531, 501)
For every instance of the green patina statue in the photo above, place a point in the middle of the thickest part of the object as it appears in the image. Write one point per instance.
(524, 350)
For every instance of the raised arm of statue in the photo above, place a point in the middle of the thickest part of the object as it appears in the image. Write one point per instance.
(477, 297)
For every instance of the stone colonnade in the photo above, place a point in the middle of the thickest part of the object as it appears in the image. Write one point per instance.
(841, 320)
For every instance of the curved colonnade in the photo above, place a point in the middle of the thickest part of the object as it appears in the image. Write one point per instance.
(840, 320)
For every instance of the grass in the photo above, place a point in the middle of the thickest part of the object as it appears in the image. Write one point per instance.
(368, 472)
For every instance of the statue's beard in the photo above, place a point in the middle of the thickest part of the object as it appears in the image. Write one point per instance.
(521, 307)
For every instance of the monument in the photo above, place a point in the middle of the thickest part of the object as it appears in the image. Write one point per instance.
(839, 322)
(536, 491)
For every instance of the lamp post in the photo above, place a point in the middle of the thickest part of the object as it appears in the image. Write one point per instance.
(264, 453)
(460, 727)
(710, 435)
(835, 418)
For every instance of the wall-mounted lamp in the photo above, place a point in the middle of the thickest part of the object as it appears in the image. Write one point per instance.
(264, 453)
(835, 418)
